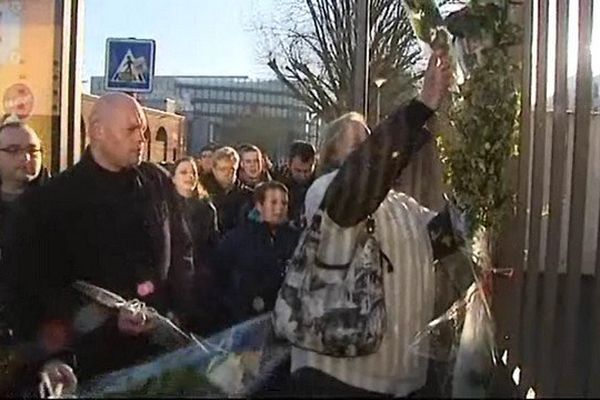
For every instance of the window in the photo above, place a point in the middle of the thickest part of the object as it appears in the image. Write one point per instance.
(162, 139)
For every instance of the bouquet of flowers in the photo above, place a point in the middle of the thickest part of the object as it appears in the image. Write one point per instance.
(460, 340)
(427, 22)
(483, 113)
(236, 362)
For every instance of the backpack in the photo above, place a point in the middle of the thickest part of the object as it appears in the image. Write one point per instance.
(335, 310)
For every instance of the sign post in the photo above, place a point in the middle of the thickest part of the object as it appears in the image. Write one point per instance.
(129, 65)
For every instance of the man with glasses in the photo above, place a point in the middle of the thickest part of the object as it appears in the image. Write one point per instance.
(21, 169)
(20, 165)
(20, 161)
(232, 198)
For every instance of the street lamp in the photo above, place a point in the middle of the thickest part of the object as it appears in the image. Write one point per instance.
(379, 82)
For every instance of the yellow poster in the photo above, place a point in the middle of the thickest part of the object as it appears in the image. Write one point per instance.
(30, 64)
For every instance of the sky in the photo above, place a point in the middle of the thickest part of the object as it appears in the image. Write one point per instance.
(218, 37)
(193, 37)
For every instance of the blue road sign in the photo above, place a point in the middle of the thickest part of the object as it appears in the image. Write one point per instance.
(129, 65)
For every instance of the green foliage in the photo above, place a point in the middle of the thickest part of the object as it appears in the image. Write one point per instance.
(177, 383)
(425, 19)
(484, 114)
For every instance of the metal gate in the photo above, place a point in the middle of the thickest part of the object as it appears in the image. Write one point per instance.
(548, 314)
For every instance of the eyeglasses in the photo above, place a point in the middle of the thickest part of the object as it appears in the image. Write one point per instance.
(14, 151)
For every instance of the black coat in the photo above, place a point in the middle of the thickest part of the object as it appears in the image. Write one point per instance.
(12, 384)
(297, 195)
(6, 207)
(232, 206)
(252, 266)
(114, 230)
(201, 218)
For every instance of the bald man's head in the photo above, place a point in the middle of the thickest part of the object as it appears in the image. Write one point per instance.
(20, 155)
(116, 131)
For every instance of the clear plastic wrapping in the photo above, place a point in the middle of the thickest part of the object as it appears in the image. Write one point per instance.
(235, 362)
(462, 338)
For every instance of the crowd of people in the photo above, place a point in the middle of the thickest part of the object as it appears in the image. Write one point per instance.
(205, 240)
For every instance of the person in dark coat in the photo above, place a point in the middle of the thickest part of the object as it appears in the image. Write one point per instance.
(298, 175)
(200, 213)
(21, 170)
(21, 167)
(201, 217)
(253, 256)
(232, 199)
(204, 162)
(110, 220)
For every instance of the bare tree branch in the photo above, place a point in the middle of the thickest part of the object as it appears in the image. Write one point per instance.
(312, 53)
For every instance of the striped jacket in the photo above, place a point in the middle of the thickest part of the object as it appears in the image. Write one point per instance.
(359, 188)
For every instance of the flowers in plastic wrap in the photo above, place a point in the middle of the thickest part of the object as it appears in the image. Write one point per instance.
(461, 340)
(427, 22)
(236, 362)
(483, 116)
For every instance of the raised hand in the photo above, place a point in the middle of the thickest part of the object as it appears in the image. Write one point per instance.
(438, 78)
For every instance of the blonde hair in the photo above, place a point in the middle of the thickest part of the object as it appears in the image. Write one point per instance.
(332, 133)
(226, 153)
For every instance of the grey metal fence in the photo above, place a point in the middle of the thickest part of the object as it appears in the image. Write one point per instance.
(548, 315)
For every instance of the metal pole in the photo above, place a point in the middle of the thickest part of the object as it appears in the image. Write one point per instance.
(361, 61)
(66, 141)
(378, 104)
(378, 83)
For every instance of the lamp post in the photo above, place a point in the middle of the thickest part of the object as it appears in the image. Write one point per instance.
(379, 82)
(360, 71)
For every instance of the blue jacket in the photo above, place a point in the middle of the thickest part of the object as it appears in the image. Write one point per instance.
(251, 268)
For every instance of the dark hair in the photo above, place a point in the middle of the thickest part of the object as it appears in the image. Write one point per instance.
(260, 192)
(200, 191)
(168, 166)
(209, 147)
(303, 150)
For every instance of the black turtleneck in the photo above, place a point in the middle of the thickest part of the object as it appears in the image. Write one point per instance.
(118, 232)
(112, 229)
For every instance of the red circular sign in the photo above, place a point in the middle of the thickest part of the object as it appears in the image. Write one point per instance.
(18, 100)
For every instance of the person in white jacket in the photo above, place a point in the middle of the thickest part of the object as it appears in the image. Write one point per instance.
(363, 168)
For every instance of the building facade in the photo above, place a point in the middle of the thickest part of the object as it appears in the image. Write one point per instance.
(216, 106)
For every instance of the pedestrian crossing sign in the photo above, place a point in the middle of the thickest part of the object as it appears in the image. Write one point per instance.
(129, 65)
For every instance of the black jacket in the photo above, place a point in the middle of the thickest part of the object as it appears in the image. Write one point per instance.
(114, 230)
(252, 266)
(5, 207)
(201, 218)
(297, 194)
(12, 384)
(232, 206)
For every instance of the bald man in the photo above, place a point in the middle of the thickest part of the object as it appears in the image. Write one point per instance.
(111, 220)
